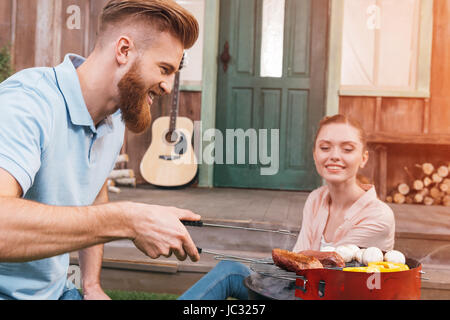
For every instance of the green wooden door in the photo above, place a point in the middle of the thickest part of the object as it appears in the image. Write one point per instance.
(250, 97)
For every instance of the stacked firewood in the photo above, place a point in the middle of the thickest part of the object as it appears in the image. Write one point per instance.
(121, 177)
(430, 186)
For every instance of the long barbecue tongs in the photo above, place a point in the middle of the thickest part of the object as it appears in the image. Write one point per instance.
(202, 224)
(222, 256)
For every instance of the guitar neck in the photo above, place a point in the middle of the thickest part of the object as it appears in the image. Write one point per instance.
(175, 103)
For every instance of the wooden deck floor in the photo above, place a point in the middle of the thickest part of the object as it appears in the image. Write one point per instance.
(282, 208)
(278, 207)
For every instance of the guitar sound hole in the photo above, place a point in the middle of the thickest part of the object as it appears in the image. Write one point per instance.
(178, 141)
(172, 137)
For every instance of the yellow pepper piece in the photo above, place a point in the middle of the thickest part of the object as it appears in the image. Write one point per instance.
(389, 266)
(381, 266)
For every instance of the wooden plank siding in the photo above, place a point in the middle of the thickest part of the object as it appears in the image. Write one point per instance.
(75, 40)
(38, 34)
(406, 131)
(439, 121)
(5, 22)
(24, 34)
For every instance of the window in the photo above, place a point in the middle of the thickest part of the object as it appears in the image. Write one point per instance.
(386, 47)
(191, 76)
(272, 38)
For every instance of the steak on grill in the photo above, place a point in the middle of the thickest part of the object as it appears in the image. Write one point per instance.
(327, 259)
(294, 262)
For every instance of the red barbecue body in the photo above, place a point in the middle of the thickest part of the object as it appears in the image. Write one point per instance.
(344, 285)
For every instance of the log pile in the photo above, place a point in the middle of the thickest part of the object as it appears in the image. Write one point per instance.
(121, 177)
(428, 185)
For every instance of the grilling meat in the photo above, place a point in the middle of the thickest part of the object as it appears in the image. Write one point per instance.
(327, 259)
(295, 262)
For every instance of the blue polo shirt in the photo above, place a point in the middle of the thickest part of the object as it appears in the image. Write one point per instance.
(50, 145)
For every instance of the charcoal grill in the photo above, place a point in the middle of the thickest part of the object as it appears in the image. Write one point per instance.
(271, 282)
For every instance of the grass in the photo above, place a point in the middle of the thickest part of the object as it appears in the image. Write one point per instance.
(133, 295)
(6, 69)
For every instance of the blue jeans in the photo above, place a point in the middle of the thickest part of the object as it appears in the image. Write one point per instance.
(225, 280)
(71, 294)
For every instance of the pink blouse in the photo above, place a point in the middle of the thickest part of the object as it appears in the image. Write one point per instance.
(369, 222)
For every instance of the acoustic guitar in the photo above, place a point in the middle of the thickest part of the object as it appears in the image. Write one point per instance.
(170, 160)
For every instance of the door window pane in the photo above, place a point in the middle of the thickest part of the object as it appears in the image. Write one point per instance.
(380, 44)
(192, 72)
(272, 38)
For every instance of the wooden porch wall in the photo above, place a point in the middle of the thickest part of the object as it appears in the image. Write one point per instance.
(406, 131)
(38, 35)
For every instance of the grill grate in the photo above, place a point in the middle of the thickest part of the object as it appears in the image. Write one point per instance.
(271, 270)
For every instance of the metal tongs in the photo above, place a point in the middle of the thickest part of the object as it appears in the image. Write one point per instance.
(229, 257)
(222, 256)
(202, 224)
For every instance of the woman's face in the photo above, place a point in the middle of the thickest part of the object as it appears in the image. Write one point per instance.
(338, 153)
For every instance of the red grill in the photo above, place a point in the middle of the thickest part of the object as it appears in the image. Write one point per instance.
(270, 282)
(328, 284)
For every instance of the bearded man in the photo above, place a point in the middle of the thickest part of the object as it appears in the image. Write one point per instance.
(61, 130)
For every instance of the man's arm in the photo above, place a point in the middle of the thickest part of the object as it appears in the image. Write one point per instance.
(33, 231)
(90, 260)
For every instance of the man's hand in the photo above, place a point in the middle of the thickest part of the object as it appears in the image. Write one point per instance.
(159, 232)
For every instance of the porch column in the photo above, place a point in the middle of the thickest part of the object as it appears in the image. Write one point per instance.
(334, 57)
(209, 82)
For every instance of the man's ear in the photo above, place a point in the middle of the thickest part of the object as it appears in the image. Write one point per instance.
(124, 49)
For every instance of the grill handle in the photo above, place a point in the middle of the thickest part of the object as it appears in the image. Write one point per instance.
(193, 223)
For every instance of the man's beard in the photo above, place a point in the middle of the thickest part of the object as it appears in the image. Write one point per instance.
(133, 96)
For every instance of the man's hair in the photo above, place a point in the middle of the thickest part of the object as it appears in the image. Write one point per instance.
(163, 15)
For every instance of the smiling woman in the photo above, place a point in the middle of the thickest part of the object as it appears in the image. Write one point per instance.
(342, 212)
(340, 148)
